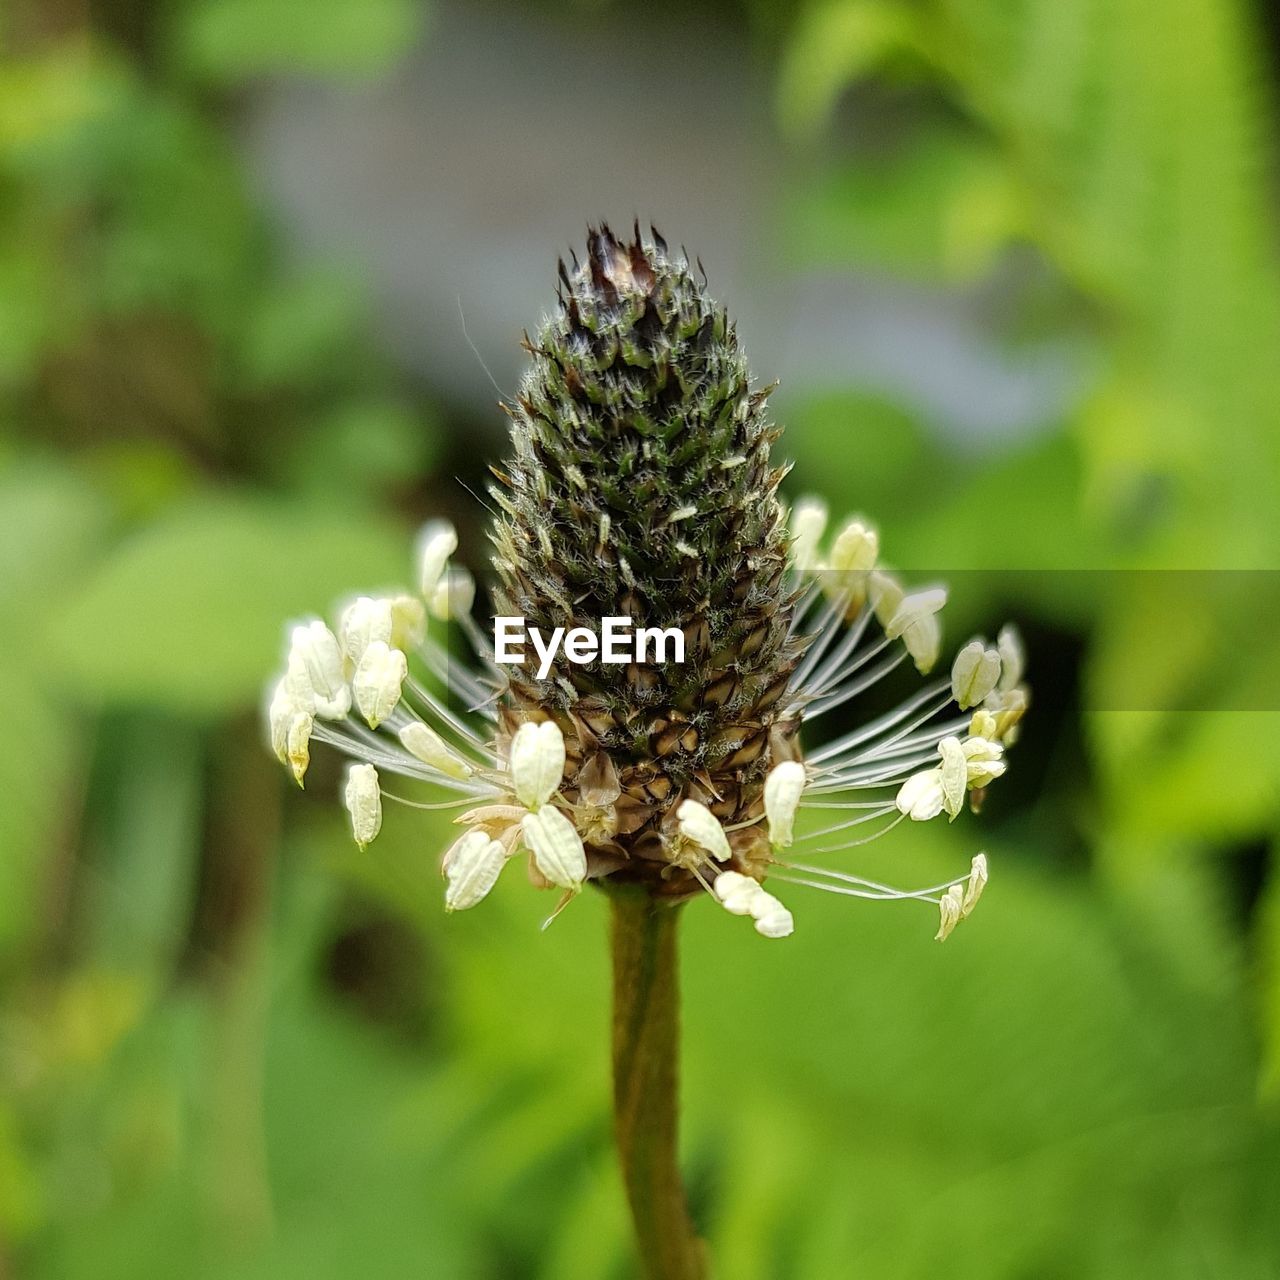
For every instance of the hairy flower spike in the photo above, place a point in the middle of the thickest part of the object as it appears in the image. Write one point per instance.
(641, 485)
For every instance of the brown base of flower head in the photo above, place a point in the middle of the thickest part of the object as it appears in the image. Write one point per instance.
(627, 812)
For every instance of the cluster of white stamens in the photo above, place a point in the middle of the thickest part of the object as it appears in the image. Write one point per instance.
(379, 688)
(918, 761)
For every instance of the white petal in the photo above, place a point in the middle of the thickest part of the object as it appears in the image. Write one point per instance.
(772, 919)
(949, 910)
(315, 676)
(472, 868)
(437, 541)
(953, 775)
(919, 604)
(363, 799)
(1008, 706)
(920, 797)
(1012, 656)
(974, 674)
(808, 520)
(982, 724)
(699, 824)
(742, 896)
(378, 680)
(454, 595)
(916, 621)
(737, 893)
(782, 791)
(298, 744)
(280, 712)
(556, 847)
(984, 761)
(364, 620)
(408, 623)
(923, 640)
(856, 548)
(977, 882)
(537, 762)
(886, 595)
(425, 744)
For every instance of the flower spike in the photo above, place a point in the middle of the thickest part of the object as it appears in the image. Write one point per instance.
(641, 481)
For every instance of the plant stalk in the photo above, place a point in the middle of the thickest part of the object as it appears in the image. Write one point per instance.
(646, 1074)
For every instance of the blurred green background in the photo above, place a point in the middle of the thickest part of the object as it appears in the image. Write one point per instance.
(1014, 262)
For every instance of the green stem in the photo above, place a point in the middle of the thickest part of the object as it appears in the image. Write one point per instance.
(646, 1036)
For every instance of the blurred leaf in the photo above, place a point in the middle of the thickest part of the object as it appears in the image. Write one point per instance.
(298, 329)
(1268, 943)
(50, 526)
(833, 45)
(142, 845)
(20, 1193)
(231, 40)
(1212, 774)
(889, 451)
(1053, 1063)
(940, 205)
(365, 445)
(1188, 712)
(141, 478)
(1043, 1068)
(41, 98)
(189, 614)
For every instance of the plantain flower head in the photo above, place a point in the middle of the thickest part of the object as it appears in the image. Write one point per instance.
(641, 484)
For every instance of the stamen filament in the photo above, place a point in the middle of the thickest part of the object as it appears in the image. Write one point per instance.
(878, 726)
(840, 696)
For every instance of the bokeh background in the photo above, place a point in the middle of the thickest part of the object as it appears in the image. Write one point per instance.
(264, 265)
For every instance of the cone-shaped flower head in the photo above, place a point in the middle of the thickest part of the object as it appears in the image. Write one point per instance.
(640, 485)
(640, 488)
